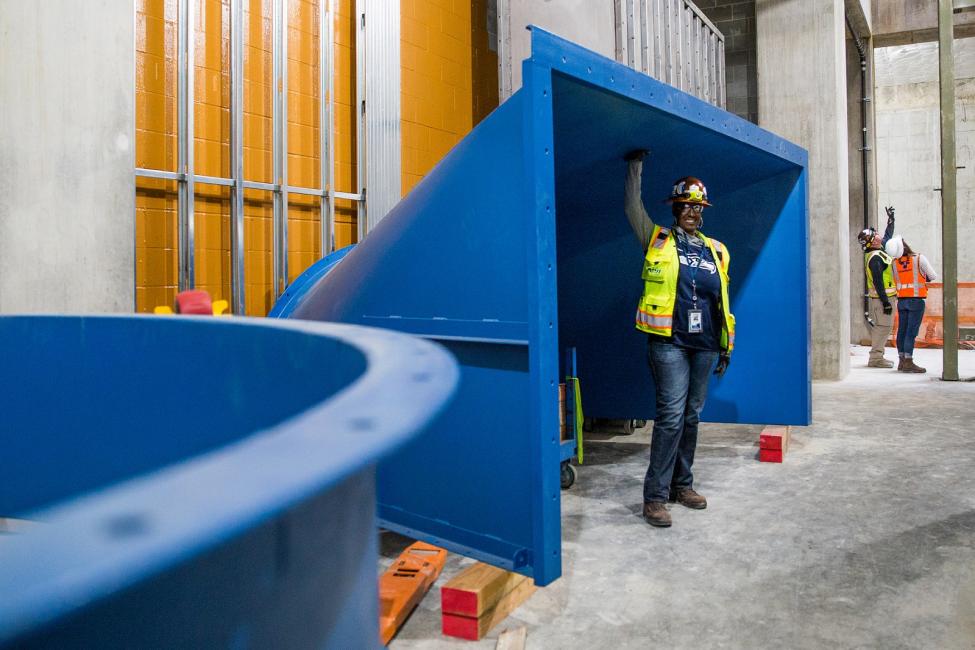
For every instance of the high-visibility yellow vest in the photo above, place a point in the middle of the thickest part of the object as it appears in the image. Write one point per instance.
(655, 313)
(909, 279)
(889, 287)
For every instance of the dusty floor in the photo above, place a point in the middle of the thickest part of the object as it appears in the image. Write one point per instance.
(863, 538)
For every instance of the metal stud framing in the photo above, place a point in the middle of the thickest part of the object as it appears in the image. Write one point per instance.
(326, 150)
(186, 178)
(279, 127)
(360, 113)
(187, 189)
(237, 156)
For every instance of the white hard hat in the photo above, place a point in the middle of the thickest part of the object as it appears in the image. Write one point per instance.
(895, 246)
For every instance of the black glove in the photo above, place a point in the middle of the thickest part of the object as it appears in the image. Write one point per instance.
(888, 308)
(723, 362)
(890, 213)
(636, 154)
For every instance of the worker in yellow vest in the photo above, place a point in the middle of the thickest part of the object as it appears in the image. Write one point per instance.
(685, 312)
(912, 272)
(880, 289)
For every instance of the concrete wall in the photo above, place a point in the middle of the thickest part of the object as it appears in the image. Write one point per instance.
(899, 22)
(735, 19)
(808, 105)
(860, 14)
(859, 194)
(590, 23)
(909, 146)
(67, 191)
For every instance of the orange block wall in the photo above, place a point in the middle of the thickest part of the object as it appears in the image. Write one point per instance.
(449, 79)
(449, 83)
(156, 145)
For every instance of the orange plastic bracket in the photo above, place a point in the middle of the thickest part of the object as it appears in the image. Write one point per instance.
(404, 584)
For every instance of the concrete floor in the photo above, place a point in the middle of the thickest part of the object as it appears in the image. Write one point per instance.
(863, 538)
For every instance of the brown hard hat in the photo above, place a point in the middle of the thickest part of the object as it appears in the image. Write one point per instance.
(689, 189)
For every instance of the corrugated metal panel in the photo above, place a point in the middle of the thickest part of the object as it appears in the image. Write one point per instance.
(383, 180)
(671, 40)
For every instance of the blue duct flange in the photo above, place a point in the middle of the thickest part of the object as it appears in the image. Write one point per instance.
(200, 482)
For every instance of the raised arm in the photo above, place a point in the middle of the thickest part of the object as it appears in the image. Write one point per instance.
(889, 232)
(633, 203)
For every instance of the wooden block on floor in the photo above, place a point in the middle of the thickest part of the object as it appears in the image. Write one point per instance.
(513, 639)
(477, 589)
(770, 455)
(476, 628)
(775, 437)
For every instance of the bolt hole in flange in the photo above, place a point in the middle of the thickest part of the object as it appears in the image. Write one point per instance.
(127, 525)
(362, 424)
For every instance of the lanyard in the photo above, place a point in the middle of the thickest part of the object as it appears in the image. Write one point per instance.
(692, 270)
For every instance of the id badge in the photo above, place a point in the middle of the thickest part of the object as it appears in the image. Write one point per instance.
(694, 321)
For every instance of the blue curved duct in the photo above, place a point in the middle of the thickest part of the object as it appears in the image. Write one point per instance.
(200, 482)
(515, 247)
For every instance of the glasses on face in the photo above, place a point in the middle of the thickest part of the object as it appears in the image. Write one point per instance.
(693, 208)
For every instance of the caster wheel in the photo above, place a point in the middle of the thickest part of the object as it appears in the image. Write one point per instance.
(629, 426)
(567, 476)
(639, 424)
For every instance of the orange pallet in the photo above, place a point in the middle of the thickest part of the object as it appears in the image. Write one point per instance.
(404, 584)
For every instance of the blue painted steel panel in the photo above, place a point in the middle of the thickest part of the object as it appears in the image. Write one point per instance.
(200, 482)
(516, 246)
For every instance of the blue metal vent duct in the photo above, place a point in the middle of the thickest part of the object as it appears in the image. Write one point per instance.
(516, 246)
(200, 482)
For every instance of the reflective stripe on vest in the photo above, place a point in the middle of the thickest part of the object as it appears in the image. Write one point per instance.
(656, 321)
(660, 240)
(910, 282)
(888, 276)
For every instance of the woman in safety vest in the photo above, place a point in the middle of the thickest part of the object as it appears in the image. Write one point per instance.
(912, 272)
(685, 312)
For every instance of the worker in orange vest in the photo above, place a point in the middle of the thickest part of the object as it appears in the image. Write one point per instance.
(912, 272)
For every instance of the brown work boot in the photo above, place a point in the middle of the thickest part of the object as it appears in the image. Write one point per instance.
(688, 497)
(655, 512)
(900, 363)
(880, 363)
(910, 366)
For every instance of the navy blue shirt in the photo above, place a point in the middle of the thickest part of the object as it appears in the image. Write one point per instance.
(697, 264)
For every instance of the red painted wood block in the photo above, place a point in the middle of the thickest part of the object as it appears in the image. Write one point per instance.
(462, 627)
(766, 441)
(457, 601)
(770, 455)
(774, 438)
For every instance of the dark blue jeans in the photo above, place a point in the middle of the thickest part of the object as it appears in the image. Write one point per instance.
(681, 376)
(910, 311)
